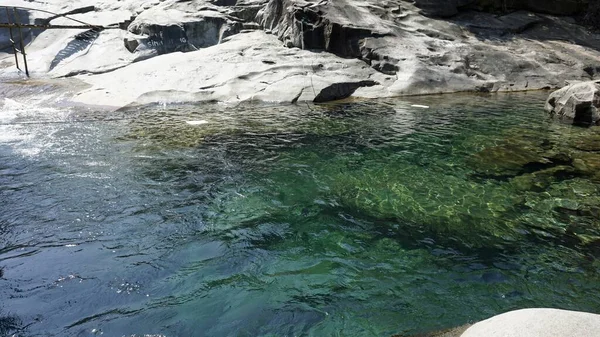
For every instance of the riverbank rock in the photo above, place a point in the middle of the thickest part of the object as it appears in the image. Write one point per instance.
(577, 102)
(377, 48)
(537, 323)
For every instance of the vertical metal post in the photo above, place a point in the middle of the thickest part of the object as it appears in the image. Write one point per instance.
(12, 40)
(18, 20)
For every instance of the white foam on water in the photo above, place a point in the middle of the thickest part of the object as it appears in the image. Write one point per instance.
(32, 111)
(23, 123)
(13, 133)
(420, 106)
(200, 122)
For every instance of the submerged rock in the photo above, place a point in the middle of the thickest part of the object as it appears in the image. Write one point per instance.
(542, 179)
(430, 205)
(508, 160)
(588, 163)
(576, 102)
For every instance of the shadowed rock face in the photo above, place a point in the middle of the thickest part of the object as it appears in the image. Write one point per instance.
(592, 15)
(176, 30)
(448, 8)
(331, 26)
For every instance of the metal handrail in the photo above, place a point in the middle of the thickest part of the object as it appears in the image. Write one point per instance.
(16, 24)
(17, 19)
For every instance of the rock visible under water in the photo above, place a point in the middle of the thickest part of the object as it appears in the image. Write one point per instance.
(588, 163)
(508, 160)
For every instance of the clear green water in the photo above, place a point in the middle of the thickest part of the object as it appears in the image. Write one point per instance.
(362, 219)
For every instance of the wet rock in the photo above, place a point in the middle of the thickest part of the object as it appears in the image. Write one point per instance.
(577, 103)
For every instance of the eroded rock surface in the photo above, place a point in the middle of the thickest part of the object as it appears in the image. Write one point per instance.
(398, 47)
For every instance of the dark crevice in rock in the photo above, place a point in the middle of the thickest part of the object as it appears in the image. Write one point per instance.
(316, 32)
(341, 90)
(584, 114)
(372, 56)
(224, 2)
(295, 99)
(592, 71)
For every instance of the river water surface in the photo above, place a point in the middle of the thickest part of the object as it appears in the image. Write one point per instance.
(355, 219)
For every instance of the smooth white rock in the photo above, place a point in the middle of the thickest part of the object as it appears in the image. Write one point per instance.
(538, 323)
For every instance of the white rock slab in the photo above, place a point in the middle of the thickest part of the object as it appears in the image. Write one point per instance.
(538, 323)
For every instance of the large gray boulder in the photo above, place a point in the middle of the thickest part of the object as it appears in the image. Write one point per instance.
(537, 323)
(577, 103)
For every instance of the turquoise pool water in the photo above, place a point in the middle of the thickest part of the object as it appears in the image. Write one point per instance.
(354, 219)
